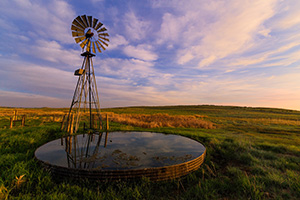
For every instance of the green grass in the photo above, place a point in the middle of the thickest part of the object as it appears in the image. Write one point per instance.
(253, 153)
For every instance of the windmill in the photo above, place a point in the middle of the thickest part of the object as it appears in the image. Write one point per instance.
(90, 34)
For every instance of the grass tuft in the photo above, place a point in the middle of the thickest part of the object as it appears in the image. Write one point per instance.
(252, 153)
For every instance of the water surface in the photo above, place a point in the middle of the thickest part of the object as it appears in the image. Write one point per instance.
(120, 150)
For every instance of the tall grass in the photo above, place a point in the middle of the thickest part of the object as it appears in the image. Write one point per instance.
(252, 153)
(162, 120)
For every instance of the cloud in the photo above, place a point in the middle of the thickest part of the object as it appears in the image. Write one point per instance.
(142, 52)
(132, 70)
(117, 41)
(207, 61)
(54, 52)
(35, 79)
(208, 32)
(288, 15)
(200, 52)
(284, 55)
(96, 1)
(251, 90)
(51, 20)
(136, 28)
(171, 28)
(19, 99)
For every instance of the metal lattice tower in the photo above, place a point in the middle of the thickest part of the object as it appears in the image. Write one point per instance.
(85, 106)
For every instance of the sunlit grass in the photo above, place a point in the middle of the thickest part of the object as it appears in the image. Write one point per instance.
(252, 153)
(161, 120)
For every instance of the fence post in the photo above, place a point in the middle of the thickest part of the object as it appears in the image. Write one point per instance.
(15, 115)
(11, 122)
(107, 123)
(23, 120)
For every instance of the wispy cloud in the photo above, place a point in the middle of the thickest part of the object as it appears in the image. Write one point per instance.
(19, 99)
(132, 70)
(288, 14)
(35, 79)
(54, 52)
(117, 41)
(172, 52)
(142, 52)
(136, 28)
(232, 31)
(50, 20)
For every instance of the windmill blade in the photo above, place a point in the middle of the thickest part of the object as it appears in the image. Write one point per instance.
(85, 20)
(89, 31)
(103, 42)
(90, 18)
(98, 26)
(98, 47)
(103, 34)
(75, 28)
(84, 32)
(76, 34)
(102, 30)
(94, 22)
(84, 43)
(88, 47)
(93, 45)
(80, 21)
(79, 39)
(106, 39)
(76, 23)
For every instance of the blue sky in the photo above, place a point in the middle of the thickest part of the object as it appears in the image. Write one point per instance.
(222, 52)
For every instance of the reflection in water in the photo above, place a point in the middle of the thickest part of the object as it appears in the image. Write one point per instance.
(120, 150)
(82, 154)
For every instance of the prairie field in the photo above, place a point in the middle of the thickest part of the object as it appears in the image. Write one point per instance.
(252, 153)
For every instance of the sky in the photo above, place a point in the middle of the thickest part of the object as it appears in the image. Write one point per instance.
(168, 52)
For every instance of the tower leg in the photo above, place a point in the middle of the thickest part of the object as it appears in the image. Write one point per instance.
(85, 99)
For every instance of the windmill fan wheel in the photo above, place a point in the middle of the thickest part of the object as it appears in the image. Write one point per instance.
(89, 33)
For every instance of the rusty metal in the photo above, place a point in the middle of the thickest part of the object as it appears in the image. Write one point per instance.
(79, 39)
(95, 22)
(85, 98)
(79, 25)
(84, 43)
(87, 31)
(78, 19)
(75, 28)
(94, 50)
(79, 72)
(154, 174)
(98, 47)
(106, 39)
(84, 19)
(85, 101)
(75, 34)
(98, 26)
(90, 18)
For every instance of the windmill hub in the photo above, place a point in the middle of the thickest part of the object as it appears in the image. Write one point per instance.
(89, 34)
